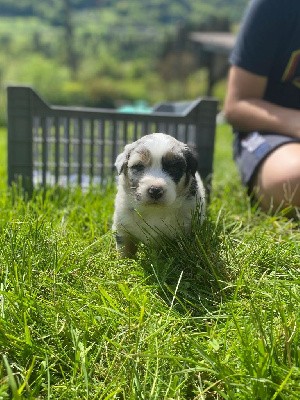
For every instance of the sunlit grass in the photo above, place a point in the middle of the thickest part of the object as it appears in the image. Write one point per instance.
(3, 159)
(215, 317)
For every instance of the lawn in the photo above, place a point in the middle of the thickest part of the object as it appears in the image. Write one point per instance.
(215, 317)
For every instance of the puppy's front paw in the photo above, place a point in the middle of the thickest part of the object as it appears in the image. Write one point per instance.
(126, 246)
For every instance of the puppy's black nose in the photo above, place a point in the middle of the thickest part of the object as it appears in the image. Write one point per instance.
(155, 192)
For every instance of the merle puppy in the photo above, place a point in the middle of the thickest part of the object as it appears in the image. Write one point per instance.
(159, 189)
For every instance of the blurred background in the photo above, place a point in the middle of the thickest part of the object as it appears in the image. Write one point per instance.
(116, 53)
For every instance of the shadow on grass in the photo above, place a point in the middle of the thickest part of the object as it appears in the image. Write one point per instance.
(190, 272)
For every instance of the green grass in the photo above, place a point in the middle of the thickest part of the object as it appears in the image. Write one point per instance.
(216, 317)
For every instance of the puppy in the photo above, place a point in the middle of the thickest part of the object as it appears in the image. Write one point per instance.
(158, 191)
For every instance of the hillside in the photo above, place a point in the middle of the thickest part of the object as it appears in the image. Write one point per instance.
(106, 52)
(164, 12)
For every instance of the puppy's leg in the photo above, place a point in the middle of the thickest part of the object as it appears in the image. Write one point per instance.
(126, 245)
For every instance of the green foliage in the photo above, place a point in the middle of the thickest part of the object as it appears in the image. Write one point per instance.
(36, 70)
(103, 53)
(166, 11)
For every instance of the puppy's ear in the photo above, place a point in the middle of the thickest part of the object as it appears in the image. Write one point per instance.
(122, 159)
(191, 161)
(120, 162)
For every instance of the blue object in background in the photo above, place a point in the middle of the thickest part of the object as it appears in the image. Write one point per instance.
(139, 106)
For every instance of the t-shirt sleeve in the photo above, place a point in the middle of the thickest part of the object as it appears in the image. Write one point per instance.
(259, 37)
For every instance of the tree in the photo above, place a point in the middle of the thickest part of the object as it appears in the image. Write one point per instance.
(67, 23)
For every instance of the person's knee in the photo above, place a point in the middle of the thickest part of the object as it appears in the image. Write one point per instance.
(277, 182)
(277, 194)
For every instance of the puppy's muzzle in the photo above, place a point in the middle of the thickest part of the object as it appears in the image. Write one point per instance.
(155, 192)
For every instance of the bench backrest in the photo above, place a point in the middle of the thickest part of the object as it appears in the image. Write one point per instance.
(78, 146)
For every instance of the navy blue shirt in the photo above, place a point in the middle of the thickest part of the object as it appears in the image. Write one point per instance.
(268, 45)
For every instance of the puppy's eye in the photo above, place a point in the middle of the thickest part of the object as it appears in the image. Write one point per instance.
(137, 167)
(173, 166)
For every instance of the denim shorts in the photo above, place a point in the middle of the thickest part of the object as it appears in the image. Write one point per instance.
(250, 149)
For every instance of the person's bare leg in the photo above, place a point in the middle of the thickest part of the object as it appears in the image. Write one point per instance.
(277, 183)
